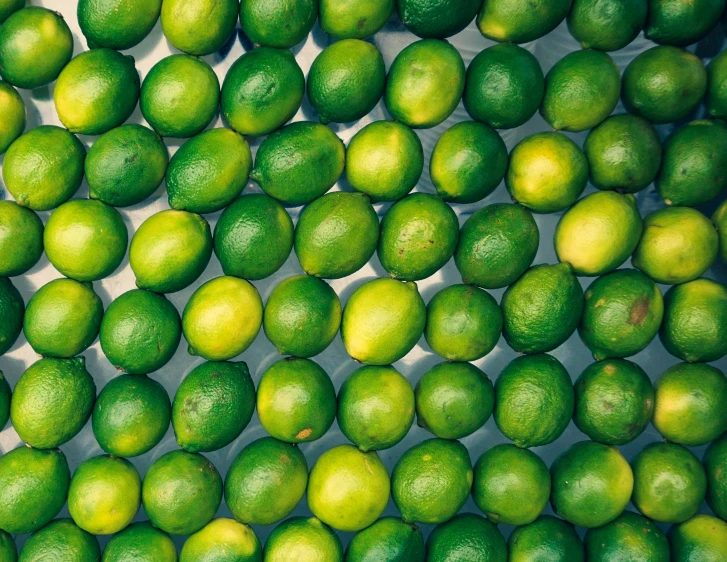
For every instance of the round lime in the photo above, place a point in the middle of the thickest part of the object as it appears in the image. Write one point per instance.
(21, 239)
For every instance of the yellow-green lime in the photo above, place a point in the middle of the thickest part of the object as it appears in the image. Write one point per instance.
(389, 538)
(222, 539)
(375, 407)
(212, 406)
(198, 27)
(61, 539)
(672, 22)
(8, 550)
(702, 537)
(278, 23)
(382, 321)
(548, 539)
(303, 540)
(117, 24)
(714, 462)
(607, 25)
(140, 542)
(5, 398)
(425, 83)
(21, 239)
(520, 21)
(9, 7)
(353, 19)
(629, 537)
(12, 113)
(12, 309)
(296, 401)
(438, 19)
(716, 98)
(719, 218)
(466, 537)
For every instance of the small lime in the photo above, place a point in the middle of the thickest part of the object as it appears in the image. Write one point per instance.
(521, 21)
(61, 539)
(466, 537)
(353, 19)
(389, 538)
(222, 539)
(672, 22)
(547, 539)
(278, 23)
(199, 27)
(140, 542)
(609, 25)
(629, 537)
(307, 539)
(117, 24)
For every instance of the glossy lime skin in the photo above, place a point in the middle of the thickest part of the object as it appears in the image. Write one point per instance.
(140, 542)
(117, 24)
(12, 113)
(466, 537)
(61, 538)
(607, 26)
(222, 539)
(389, 538)
(520, 21)
(199, 27)
(21, 239)
(438, 19)
(273, 23)
(629, 537)
(701, 537)
(672, 22)
(553, 539)
(310, 538)
(354, 19)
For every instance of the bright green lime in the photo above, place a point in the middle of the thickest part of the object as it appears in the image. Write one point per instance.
(199, 27)
(703, 537)
(12, 113)
(21, 239)
(12, 309)
(353, 19)
(674, 22)
(714, 462)
(140, 542)
(389, 538)
(439, 19)
(716, 98)
(547, 539)
(607, 25)
(521, 21)
(61, 539)
(222, 539)
(117, 24)
(629, 537)
(308, 539)
(466, 537)
(278, 23)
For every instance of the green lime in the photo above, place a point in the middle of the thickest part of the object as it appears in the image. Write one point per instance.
(253, 237)
(222, 318)
(624, 153)
(496, 245)
(222, 539)
(703, 537)
(266, 481)
(305, 539)
(170, 250)
(382, 321)
(622, 314)
(8, 550)
(609, 25)
(678, 245)
(44, 167)
(438, 19)
(466, 537)
(5, 397)
(591, 484)
(581, 90)
(61, 539)
(521, 21)
(140, 332)
(336, 234)
(212, 406)
(302, 316)
(52, 401)
(714, 463)
(85, 239)
(299, 163)
(96, 91)
(453, 400)
(105, 494)
(547, 539)
(296, 401)
(694, 170)
(179, 96)
(673, 22)
(599, 232)
(629, 537)
(533, 400)
(33, 488)
(262, 91)
(719, 218)
(131, 415)
(716, 98)
(353, 19)
(425, 83)
(199, 27)
(181, 492)
(12, 112)
(389, 538)
(505, 86)
(468, 162)
(140, 542)
(278, 23)
(511, 485)
(375, 407)
(21, 239)
(117, 24)
(12, 310)
(62, 318)
(384, 160)
(669, 482)
(542, 309)
(431, 481)
(126, 165)
(689, 399)
(664, 84)
(9, 7)
(35, 45)
(614, 401)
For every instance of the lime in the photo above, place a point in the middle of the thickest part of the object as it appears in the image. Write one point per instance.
(181, 492)
(170, 250)
(716, 99)
(431, 481)
(673, 22)
(52, 401)
(466, 537)
(511, 485)
(714, 462)
(425, 83)
(140, 542)
(33, 488)
(375, 407)
(222, 539)
(629, 537)
(126, 165)
(547, 172)
(9, 7)
(8, 550)
(624, 153)
(131, 415)
(222, 318)
(44, 167)
(547, 539)
(262, 91)
(353, 19)
(61, 539)
(303, 540)
(384, 160)
(62, 318)
(266, 481)
(299, 163)
(669, 482)
(703, 537)
(689, 400)
(253, 237)
(140, 332)
(336, 235)
(278, 23)
(199, 27)
(85, 239)
(212, 406)
(521, 21)
(12, 309)
(35, 45)
(453, 400)
(389, 538)
(117, 24)
(719, 218)
(664, 84)
(622, 314)
(105, 494)
(382, 321)
(678, 245)
(609, 25)
(468, 162)
(296, 401)
(439, 19)
(302, 316)
(179, 96)
(96, 91)
(5, 397)
(12, 112)
(21, 239)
